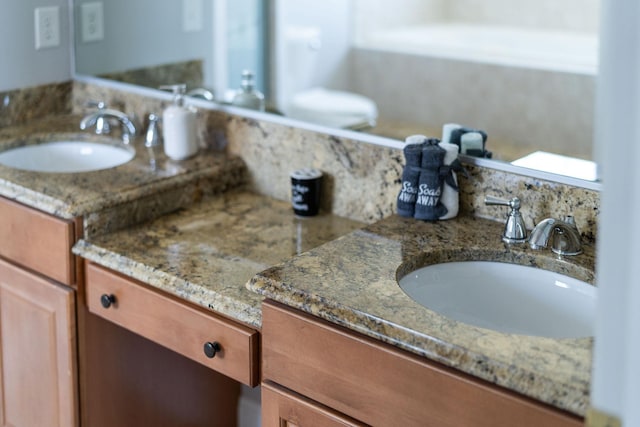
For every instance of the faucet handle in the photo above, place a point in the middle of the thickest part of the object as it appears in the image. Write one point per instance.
(513, 203)
(514, 229)
(100, 105)
(152, 137)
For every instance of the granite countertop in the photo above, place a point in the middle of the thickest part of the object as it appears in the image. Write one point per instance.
(206, 253)
(214, 254)
(352, 282)
(69, 195)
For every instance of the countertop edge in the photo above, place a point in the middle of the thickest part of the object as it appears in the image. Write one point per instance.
(237, 310)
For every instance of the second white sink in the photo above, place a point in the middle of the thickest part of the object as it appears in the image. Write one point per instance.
(505, 297)
(66, 157)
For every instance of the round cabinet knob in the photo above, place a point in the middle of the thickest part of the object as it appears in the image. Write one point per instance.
(107, 300)
(211, 349)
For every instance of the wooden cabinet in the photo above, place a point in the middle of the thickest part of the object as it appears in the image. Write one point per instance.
(38, 363)
(378, 384)
(284, 408)
(37, 241)
(146, 350)
(216, 342)
(38, 351)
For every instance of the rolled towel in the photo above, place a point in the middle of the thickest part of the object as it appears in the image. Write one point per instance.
(410, 175)
(472, 144)
(450, 197)
(456, 135)
(447, 129)
(429, 207)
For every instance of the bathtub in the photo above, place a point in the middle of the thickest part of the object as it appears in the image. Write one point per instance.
(506, 46)
(529, 90)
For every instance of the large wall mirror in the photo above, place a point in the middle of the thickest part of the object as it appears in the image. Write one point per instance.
(522, 71)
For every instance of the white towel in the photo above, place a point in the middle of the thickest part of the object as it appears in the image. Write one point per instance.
(450, 198)
(446, 131)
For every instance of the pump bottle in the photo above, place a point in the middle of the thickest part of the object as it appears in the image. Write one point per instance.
(179, 126)
(248, 96)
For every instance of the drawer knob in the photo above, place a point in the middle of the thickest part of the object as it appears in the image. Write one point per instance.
(107, 300)
(211, 349)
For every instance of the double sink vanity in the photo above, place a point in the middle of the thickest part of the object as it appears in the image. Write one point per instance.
(145, 296)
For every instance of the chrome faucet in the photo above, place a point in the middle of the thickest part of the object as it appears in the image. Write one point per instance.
(514, 229)
(202, 93)
(101, 120)
(152, 139)
(562, 234)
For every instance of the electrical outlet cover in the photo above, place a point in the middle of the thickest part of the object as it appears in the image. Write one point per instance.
(47, 27)
(92, 22)
(192, 19)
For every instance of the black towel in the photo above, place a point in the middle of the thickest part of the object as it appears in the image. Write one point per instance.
(410, 179)
(428, 204)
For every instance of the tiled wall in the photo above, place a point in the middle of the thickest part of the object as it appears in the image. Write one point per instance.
(522, 109)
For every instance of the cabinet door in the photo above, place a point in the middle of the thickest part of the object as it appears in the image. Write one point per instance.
(37, 351)
(283, 408)
(382, 385)
(38, 241)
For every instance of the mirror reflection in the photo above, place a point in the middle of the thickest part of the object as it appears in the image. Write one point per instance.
(523, 72)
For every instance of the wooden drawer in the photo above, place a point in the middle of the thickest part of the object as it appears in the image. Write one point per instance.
(38, 241)
(281, 407)
(381, 385)
(174, 324)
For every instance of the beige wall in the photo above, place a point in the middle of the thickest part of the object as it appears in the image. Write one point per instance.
(574, 15)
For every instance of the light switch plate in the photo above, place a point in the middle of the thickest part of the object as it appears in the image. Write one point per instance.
(47, 27)
(92, 22)
(192, 19)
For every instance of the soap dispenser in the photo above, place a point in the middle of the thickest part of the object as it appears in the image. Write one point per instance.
(179, 126)
(248, 96)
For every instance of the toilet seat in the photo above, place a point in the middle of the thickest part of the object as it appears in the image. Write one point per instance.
(333, 108)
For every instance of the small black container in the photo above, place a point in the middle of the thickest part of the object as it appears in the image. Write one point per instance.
(305, 191)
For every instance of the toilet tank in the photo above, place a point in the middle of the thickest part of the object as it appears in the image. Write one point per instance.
(300, 55)
(297, 25)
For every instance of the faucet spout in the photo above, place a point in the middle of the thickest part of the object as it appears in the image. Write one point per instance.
(100, 119)
(563, 235)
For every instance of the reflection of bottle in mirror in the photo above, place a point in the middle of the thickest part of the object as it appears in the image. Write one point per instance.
(248, 96)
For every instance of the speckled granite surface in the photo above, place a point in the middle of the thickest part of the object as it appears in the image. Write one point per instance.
(113, 198)
(24, 105)
(539, 198)
(352, 282)
(187, 72)
(205, 254)
(362, 183)
(361, 180)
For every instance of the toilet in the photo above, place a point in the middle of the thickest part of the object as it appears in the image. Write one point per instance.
(298, 98)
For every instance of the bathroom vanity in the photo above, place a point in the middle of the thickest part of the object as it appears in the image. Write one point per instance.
(149, 271)
(156, 326)
(341, 339)
(316, 372)
(46, 328)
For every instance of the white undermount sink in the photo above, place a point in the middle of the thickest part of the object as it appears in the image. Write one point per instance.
(505, 297)
(66, 156)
